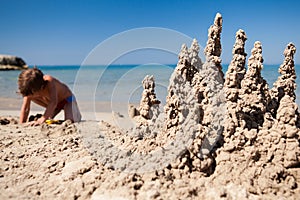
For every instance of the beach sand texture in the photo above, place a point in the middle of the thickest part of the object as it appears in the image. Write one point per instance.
(236, 138)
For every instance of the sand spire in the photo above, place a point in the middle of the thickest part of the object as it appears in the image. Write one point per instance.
(148, 97)
(213, 47)
(234, 75)
(180, 83)
(194, 55)
(286, 83)
(149, 104)
(254, 95)
(208, 89)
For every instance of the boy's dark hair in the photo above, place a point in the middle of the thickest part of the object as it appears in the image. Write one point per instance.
(31, 81)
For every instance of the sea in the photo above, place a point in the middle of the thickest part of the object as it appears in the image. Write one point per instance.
(116, 83)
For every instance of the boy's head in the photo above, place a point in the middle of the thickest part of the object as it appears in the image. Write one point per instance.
(31, 81)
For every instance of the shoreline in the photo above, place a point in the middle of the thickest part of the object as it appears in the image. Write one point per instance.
(8, 103)
(116, 119)
(100, 111)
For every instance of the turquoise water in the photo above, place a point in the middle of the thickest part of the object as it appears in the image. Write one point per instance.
(118, 83)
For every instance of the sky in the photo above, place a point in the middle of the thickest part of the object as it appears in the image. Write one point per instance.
(64, 32)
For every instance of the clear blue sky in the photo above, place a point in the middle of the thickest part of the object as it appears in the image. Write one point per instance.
(53, 32)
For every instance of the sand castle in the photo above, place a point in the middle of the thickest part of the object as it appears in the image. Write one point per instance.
(260, 129)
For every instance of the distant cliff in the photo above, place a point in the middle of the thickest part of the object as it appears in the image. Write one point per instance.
(8, 62)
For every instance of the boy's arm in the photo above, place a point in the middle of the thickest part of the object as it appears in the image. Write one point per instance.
(49, 112)
(24, 110)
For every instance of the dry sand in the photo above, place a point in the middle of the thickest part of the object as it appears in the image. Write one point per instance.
(52, 162)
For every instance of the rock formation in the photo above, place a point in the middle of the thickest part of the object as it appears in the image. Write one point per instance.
(234, 76)
(8, 62)
(254, 93)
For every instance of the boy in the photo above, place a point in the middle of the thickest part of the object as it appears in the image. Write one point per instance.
(48, 92)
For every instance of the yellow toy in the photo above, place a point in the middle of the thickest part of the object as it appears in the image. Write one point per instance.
(53, 121)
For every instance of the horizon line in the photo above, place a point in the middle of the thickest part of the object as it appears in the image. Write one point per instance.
(49, 65)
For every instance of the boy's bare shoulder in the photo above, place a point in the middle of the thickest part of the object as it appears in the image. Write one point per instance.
(49, 78)
(53, 81)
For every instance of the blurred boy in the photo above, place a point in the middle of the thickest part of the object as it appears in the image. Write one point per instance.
(48, 92)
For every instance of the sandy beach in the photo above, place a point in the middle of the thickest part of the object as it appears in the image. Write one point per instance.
(218, 136)
(54, 162)
(28, 176)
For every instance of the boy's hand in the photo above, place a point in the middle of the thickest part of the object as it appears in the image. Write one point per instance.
(37, 122)
(33, 123)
